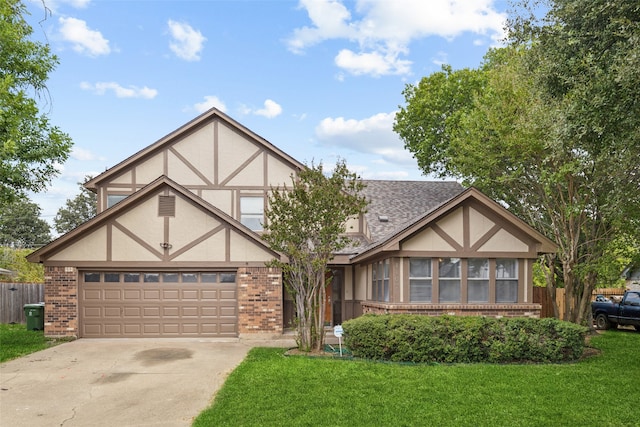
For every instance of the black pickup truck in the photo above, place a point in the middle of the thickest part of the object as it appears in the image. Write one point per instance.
(608, 314)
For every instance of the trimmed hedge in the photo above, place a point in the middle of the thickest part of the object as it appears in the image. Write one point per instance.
(451, 339)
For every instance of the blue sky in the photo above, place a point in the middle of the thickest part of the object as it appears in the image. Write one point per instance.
(320, 79)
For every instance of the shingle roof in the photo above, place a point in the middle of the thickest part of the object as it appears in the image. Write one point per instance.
(400, 202)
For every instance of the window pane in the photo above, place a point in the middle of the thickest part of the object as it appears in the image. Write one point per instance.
(169, 277)
(189, 277)
(450, 267)
(227, 277)
(252, 222)
(385, 263)
(478, 290)
(131, 277)
(478, 268)
(209, 277)
(449, 291)
(252, 212)
(506, 291)
(420, 290)
(386, 290)
(91, 277)
(506, 269)
(151, 277)
(112, 199)
(112, 277)
(420, 267)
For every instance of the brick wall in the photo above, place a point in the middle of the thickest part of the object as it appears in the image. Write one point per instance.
(260, 302)
(61, 301)
(489, 310)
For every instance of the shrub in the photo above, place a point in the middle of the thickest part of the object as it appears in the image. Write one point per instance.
(450, 339)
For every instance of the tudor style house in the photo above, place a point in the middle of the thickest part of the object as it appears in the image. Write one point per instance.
(175, 249)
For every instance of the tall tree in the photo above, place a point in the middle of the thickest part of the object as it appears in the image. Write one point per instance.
(306, 222)
(552, 130)
(76, 211)
(30, 147)
(21, 226)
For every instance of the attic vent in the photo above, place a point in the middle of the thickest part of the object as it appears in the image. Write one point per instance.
(383, 218)
(167, 206)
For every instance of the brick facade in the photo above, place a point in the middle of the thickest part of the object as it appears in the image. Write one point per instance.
(489, 310)
(61, 301)
(260, 302)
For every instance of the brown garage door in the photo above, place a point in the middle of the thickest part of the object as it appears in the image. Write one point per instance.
(158, 304)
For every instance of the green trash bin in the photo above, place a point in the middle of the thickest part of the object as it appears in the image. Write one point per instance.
(35, 316)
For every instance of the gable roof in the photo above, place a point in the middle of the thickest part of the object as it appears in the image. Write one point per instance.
(400, 202)
(206, 117)
(392, 239)
(147, 191)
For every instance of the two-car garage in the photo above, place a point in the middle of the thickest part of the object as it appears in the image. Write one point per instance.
(116, 304)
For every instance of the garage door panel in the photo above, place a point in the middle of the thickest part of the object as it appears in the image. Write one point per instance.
(158, 309)
(150, 312)
(190, 311)
(113, 294)
(111, 329)
(172, 311)
(170, 294)
(190, 294)
(210, 311)
(132, 329)
(132, 294)
(92, 294)
(151, 294)
(112, 312)
(228, 294)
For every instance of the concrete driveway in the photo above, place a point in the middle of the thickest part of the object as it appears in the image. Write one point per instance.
(123, 382)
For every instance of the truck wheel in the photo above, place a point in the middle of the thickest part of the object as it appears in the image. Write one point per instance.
(602, 322)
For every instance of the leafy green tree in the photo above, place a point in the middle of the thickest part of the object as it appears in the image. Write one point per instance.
(551, 129)
(15, 260)
(21, 226)
(30, 147)
(76, 211)
(306, 222)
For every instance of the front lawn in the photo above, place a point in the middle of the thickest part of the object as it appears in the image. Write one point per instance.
(272, 389)
(16, 341)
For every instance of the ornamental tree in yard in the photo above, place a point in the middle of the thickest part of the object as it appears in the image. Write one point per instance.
(306, 222)
(30, 147)
(550, 126)
(77, 210)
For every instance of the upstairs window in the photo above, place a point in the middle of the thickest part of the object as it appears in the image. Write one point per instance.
(112, 199)
(252, 212)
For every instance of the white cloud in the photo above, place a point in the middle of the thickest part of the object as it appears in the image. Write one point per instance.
(187, 43)
(83, 154)
(372, 135)
(84, 40)
(101, 88)
(383, 30)
(372, 63)
(271, 109)
(209, 103)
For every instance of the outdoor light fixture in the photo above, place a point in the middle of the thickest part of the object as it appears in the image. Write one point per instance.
(165, 245)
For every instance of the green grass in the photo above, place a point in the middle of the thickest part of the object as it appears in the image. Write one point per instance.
(16, 341)
(271, 389)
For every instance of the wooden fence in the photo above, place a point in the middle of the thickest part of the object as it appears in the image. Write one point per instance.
(541, 296)
(13, 297)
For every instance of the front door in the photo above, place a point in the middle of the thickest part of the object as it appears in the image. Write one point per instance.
(333, 298)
